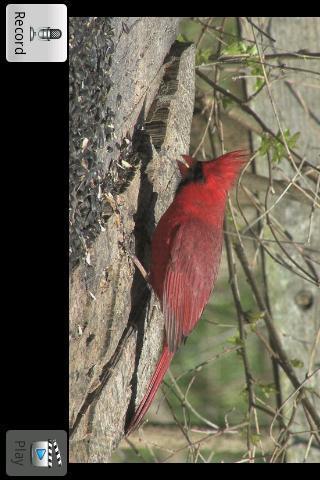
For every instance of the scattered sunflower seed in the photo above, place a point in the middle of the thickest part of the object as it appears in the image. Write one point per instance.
(92, 296)
(85, 144)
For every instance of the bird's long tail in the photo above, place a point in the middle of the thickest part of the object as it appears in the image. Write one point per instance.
(154, 384)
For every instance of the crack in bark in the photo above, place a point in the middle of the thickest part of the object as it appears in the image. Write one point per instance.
(104, 377)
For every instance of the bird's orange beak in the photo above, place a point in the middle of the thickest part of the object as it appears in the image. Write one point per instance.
(184, 160)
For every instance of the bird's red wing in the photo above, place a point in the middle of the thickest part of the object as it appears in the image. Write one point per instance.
(190, 276)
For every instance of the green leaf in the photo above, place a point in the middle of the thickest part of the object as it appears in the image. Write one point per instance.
(242, 48)
(239, 48)
(267, 389)
(203, 56)
(266, 142)
(236, 340)
(292, 141)
(234, 48)
(253, 317)
(255, 438)
(257, 71)
(295, 362)
(182, 38)
(274, 146)
(259, 83)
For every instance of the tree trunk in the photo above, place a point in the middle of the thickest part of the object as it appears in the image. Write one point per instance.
(294, 301)
(131, 105)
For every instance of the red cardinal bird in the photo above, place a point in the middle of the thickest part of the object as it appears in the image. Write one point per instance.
(186, 252)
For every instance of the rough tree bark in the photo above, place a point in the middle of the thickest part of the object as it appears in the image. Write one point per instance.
(295, 303)
(131, 105)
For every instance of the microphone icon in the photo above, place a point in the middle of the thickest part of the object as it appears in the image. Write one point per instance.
(45, 33)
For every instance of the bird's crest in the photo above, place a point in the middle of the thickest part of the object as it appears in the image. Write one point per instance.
(226, 167)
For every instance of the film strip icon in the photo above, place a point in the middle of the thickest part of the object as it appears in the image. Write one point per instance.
(56, 451)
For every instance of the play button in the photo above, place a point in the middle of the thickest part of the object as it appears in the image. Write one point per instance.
(40, 453)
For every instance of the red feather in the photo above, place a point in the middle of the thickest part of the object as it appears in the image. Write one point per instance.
(186, 253)
(190, 274)
(161, 368)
